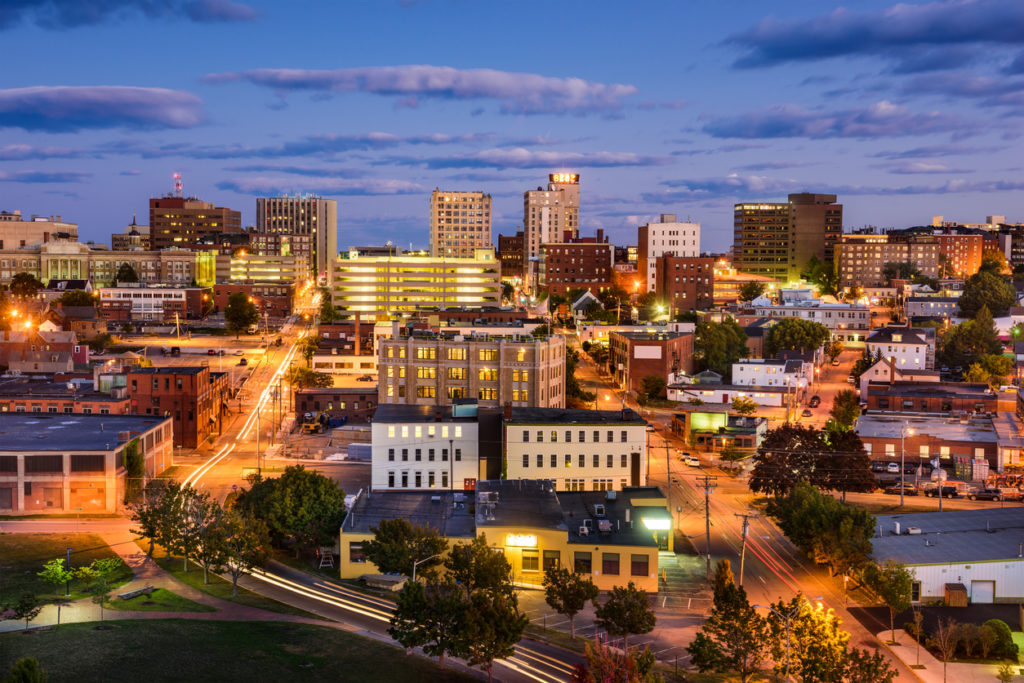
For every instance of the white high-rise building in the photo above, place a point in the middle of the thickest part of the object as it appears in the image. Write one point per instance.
(460, 223)
(303, 225)
(667, 236)
(549, 214)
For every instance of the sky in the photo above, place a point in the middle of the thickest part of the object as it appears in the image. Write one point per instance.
(904, 111)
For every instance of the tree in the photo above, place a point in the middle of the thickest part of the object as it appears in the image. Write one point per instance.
(626, 611)
(787, 455)
(891, 582)
(149, 511)
(76, 297)
(541, 331)
(210, 531)
(240, 313)
(398, 543)
(492, 625)
(96, 578)
(867, 667)
(994, 261)
(1005, 647)
(25, 285)
(476, 566)
(57, 573)
(751, 290)
(904, 270)
(430, 616)
(991, 369)
(328, 313)
(965, 343)
(507, 291)
(742, 405)
(988, 289)
(574, 392)
(716, 346)
(308, 346)
(734, 635)
(847, 466)
(304, 505)
(845, 408)
(125, 273)
(245, 541)
(27, 607)
(603, 664)
(300, 377)
(652, 386)
(568, 592)
(190, 511)
(834, 349)
(26, 670)
(947, 637)
(795, 333)
(824, 276)
(817, 646)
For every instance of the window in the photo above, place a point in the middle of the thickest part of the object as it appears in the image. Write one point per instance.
(610, 564)
(458, 432)
(554, 436)
(639, 565)
(430, 479)
(391, 480)
(391, 454)
(488, 394)
(419, 479)
(425, 392)
(623, 460)
(568, 460)
(915, 591)
(552, 559)
(540, 460)
(622, 437)
(487, 374)
(456, 373)
(525, 375)
(405, 455)
(456, 392)
(554, 460)
(581, 562)
(444, 455)
(444, 480)
(609, 461)
(540, 436)
(488, 354)
(419, 454)
(526, 460)
(597, 436)
(355, 552)
(526, 436)
(426, 373)
(597, 460)
(458, 455)
(456, 354)
(568, 436)
(405, 431)
(583, 436)
(430, 454)
(531, 560)
(611, 436)
(425, 353)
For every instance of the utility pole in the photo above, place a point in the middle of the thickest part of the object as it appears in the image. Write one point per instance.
(746, 531)
(707, 482)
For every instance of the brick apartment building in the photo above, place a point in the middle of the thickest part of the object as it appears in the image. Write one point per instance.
(19, 395)
(635, 355)
(931, 397)
(354, 404)
(685, 283)
(273, 298)
(510, 254)
(193, 397)
(582, 262)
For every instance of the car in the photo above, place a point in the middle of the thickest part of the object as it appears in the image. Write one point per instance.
(985, 494)
(239, 352)
(944, 369)
(947, 492)
(958, 369)
(894, 490)
(807, 413)
(243, 361)
(365, 378)
(893, 468)
(690, 460)
(175, 350)
(211, 352)
(835, 363)
(814, 402)
(877, 466)
(850, 379)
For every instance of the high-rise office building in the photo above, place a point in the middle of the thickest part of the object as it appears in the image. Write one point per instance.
(304, 225)
(667, 236)
(777, 240)
(188, 223)
(460, 223)
(551, 215)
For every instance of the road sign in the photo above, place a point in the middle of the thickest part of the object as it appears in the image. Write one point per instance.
(234, 487)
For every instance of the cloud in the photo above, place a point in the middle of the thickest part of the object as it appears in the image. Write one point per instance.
(42, 176)
(520, 157)
(931, 151)
(60, 14)
(22, 152)
(881, 119)
(62, 109)
(131, 172)
(519, 93)
(299, 170)
(915, 167)
(334, 186)
(886, 32)
(990, 91)
(773, 165)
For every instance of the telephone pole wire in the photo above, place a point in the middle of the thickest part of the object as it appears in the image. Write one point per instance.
(707, 482)
(746, 530)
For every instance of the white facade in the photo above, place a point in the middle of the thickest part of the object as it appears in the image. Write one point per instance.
(986, 581)
(581, 456)
(849, 323)
(905, 349)
(419, 455)
(758, 372)
(668, 236)
(598, 332)
(147, 302)
(712, 393)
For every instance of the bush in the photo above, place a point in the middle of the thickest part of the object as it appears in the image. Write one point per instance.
(910, 628)
(1005, 647)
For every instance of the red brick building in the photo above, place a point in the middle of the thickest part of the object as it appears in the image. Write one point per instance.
(635, 355)
(931, 397)
(510, 254)
(193, 397)
(355, 404)
(19, 395)
(187, 223)
(580, 263)
(961, 252)
(273, 298)
(685, 283)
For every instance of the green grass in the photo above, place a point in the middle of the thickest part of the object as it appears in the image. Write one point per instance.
(22, 556)
(159, 600)
(195, 650)
(218, 587)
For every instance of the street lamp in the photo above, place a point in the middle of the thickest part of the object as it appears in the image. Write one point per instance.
(786, 617)
(904, 432)
(417, 563)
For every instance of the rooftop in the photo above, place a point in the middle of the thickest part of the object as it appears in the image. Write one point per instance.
(398, 412)
(954, 536)
(52, 432)
(905, 335)
(649, 335)
(932, 389)
(169, 370)
(446, 512)
(518, 503)
(939, 429)
(637, 530)
(573, 416)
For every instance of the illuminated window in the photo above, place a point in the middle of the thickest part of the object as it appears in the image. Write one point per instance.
(405, 431)
(487, 374)
(426, 353)
(458, 431)
(456, 373)
(430, 373)
(488, 354)
(391, 429)
(456, 354)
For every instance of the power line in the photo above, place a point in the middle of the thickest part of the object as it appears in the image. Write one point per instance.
(708, 483)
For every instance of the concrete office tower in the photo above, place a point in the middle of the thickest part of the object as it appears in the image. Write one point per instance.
(777, 240)
(460, 223)
(304, 225)
(187, 222)
(667, 236)
(16, 233)
(549, 214)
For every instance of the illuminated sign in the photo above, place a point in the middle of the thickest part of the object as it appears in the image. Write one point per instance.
(657, 524)
(566, 178)
(521, 540)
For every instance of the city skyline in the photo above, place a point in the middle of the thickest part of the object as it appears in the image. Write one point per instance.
(904, 111)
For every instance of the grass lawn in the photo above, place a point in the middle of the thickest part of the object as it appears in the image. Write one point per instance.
(176, 650)
(218, 587)
(159, 600)
(22, 556)
(889, 508)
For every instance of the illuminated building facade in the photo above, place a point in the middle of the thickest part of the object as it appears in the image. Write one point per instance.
(188, 223)
(667, 236)
(304, 225)
(460, 223)
(862, 257)
(550, 214)
(246, 266)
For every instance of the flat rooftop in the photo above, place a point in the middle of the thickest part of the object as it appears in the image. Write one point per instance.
(573, 416)
(69, 432)
(578, 506)
(446, 512)
(400, 412)
(518, 503)
(939, 429)
(931, 389)
(954, 536)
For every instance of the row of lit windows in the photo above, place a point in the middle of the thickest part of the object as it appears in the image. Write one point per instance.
(418, 431)
(582, 436)
(581, 460)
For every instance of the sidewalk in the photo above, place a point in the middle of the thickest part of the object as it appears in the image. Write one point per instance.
(931, 671)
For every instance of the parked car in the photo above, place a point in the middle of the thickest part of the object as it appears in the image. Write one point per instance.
(850, 379)
(947, 491)
(365, 378)
(908, 490)
(807, 413)
(175, 350)
(243, 361)
(944, 369)
(835, 363)
(815, 401)
(877, 466)
(985, 494)
(893, 468)
(211, 352)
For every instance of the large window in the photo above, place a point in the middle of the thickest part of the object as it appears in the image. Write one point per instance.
(552, 559)
(425, 353)
(456, 373)
(456, 354)
(531, 561)
(639, 565)
(355, 552)
(488, 354)
(610, 564)
(426, 392)
(487, 374)
(426, 373)
(581, 562)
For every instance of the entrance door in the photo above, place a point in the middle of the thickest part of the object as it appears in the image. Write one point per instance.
(983, 592)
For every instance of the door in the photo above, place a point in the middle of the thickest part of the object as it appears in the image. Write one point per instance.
(983, 592)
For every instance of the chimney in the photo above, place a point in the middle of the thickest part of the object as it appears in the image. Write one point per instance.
(358, 340)
(508, 410)
(394, 329)
(600, 235)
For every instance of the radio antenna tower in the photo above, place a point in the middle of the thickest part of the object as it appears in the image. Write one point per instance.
(177, 185)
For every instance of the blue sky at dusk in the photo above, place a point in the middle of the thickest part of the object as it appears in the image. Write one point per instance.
(904, 110)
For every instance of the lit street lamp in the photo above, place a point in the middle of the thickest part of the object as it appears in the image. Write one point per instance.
(417, 563)
(904, 432)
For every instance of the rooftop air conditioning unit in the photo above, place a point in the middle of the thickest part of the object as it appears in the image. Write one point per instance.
(610, 495)
(914, 530)
(599, 510)
(604, 525)
(584, 531)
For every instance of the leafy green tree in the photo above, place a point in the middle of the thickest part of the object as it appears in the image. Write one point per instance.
(987, 289)
(652, 386)
(328, 313)
(904, 270)
(990, 369)
(308, 346)
(823, 275)
(191, 510)
(1005, 647)
(716, 346)
(26, 670)
(1006, 672)
(305, 505)
(847, 466)
(568, 592)
(741, 405)
(507, 291)
(734, 635)
(965, 343)
(867, 667)
(76, 297)
(574, 392)
(795, 333)
(751, 290)
(605, 664)
(430, 615)
(891, 582)
(27, 607)
(300, 377)
(240, 313)
(817, 646)
(24, 285)
(210, 531)
(56, 573)
(626, 611)
(96, 578)
(787, 455)
(245, 542)
(476, 566)
(994, 261)
(834, 349)
(148, 511)
(125, 273)
(398, 543)
(492, 625)
(845, 408)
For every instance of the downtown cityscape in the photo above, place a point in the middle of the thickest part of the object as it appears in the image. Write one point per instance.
(443, 340)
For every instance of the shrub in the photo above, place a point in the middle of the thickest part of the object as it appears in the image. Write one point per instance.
(910, 628)
(1005, 647)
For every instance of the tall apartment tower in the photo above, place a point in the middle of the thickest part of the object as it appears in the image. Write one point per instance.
(460, 223)
(304, 225)
(548, 215)
(777, 240)
(667, 236)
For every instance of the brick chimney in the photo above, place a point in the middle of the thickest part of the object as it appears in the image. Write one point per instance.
(508, 410)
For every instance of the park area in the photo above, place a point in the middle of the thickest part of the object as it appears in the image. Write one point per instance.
(22, 557)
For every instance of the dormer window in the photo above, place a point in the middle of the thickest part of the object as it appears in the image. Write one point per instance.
(897, 337)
